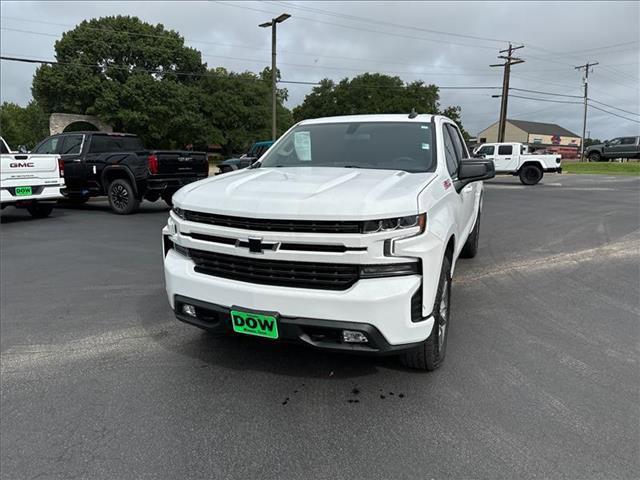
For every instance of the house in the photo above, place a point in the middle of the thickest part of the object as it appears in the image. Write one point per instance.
(550, 136)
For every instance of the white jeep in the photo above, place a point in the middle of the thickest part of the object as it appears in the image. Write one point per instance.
(343, 236)
(514, 158)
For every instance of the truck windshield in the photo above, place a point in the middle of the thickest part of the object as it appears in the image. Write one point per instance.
(374, 145)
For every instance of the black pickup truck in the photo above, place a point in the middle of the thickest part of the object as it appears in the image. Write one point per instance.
(118, 165)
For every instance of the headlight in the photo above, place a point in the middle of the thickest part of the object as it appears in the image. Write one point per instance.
(179, 212)
(388, 224)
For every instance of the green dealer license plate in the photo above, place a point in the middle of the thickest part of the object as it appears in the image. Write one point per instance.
(23, 191)
(252, 323)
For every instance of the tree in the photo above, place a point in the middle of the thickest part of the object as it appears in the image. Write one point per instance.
(23, 125)
(591, 141)
(139, 77)
(372, 93)
(239, 105)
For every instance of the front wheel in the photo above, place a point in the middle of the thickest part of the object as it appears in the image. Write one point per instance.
(530, 174)
(429, 355)
(122, 197)
(595, 157)
(40, 210)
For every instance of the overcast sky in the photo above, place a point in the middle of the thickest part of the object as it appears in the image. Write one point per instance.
(445, 43)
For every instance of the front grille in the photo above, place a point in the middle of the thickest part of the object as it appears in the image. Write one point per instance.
(267, 225)
(323, 276)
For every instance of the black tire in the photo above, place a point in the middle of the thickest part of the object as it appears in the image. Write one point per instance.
(122, 197)
(470, 248)
(167, 196)
(595, 157)
(40, 210)
(531, 174)
(430, 354)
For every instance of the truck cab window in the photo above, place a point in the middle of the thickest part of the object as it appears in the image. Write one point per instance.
(505, 150)
(71, 145)
(50, 145)
(451, 157)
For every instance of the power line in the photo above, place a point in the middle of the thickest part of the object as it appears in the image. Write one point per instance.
(611, 106)
(382, 22)
(214, 74)
(614, 114)
(544, 93)
(352, 27)
(544, 99)
(230, 45)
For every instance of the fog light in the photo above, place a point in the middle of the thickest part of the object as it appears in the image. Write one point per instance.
(189, 310)
(351, 336)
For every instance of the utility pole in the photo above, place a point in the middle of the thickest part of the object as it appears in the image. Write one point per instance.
(274, 99)
(586, 67)
(509, 60)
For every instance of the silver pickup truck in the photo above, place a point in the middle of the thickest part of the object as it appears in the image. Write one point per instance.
(621, 147)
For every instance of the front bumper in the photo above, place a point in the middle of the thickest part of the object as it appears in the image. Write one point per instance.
(323, 334)
(378, 305)
(553, 170)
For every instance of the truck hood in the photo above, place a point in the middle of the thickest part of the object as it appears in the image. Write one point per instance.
(314, 193)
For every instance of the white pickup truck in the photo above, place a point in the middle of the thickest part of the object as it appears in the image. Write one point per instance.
(514, 158)
(32, 181)
(344, 236)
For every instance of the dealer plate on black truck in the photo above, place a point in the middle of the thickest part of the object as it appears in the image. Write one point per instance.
(254, 323)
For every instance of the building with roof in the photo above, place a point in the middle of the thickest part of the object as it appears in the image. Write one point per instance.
(546, 135)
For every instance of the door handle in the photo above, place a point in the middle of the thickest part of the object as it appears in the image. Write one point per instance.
(507, 158)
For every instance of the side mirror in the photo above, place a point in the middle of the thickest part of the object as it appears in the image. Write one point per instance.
(473, 170)
(606, 143)
(478, 155)
(22, 149)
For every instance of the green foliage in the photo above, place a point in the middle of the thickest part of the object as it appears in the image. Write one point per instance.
(142, 79)
(372, 93)
(602, 168)
(591, 141)
(23, 125)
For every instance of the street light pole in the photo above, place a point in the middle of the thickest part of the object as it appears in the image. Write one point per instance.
(274, 100)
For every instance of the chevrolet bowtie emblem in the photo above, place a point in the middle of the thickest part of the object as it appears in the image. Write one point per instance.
(256, 245)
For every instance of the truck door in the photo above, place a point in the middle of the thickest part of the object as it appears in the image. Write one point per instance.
(627, 147)
(505, 159)
(455, 152)
(69, 149)
(611, 148)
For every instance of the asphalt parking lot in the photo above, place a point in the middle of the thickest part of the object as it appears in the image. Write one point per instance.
(541, 378)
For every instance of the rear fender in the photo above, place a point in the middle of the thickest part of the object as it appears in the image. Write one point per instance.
(114, 172)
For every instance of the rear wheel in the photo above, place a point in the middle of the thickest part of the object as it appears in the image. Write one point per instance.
(40, 210)
(530, 174)
(430, 354)
(122, 197)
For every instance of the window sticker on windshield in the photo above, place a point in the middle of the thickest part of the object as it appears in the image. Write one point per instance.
(425, 146)
(302, 143)
(425, 127)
